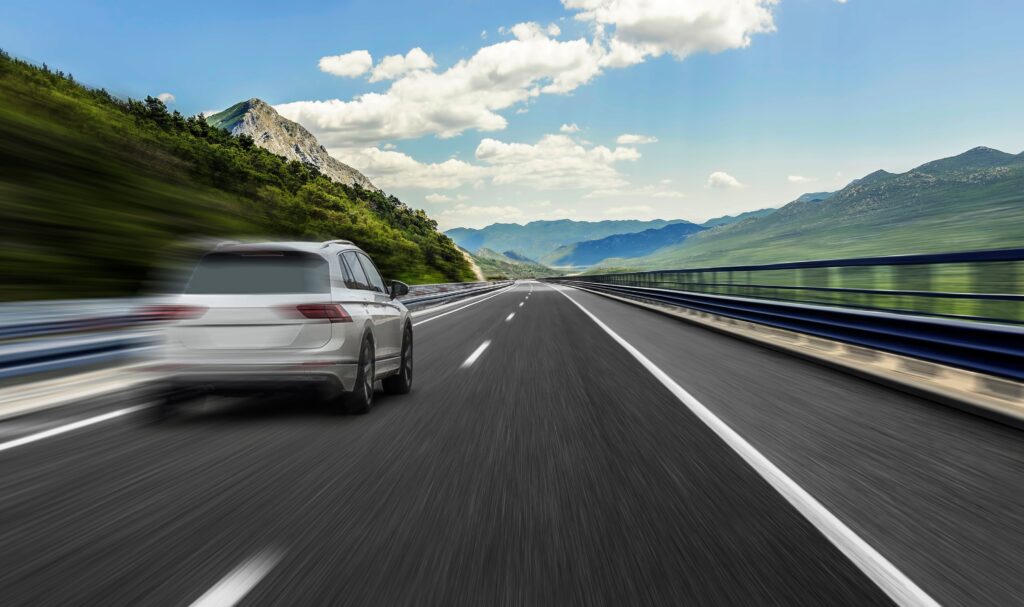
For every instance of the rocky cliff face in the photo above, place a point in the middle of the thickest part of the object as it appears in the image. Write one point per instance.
(283, 137)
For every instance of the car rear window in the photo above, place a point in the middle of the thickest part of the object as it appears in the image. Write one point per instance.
(260, 273)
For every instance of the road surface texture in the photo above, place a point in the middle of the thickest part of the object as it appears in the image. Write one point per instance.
(547, 467)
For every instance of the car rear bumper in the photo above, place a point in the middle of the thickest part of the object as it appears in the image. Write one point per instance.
(248, 377)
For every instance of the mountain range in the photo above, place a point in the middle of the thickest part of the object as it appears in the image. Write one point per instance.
(539, 238)
(276, 134)
(636, 244)
(974, 200)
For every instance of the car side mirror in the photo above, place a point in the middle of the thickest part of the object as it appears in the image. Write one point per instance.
(398, 289)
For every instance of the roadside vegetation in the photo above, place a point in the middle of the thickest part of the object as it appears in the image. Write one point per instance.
(98, 195)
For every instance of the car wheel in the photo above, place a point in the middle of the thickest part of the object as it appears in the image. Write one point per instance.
(402, 383)
(360, 400)
(166, 405)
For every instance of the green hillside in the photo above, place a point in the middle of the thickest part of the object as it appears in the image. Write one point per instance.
(97, 193)
(496, 265)
(971, 201)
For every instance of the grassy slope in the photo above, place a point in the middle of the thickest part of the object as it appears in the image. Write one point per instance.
(495, 265)
(96, 194)
(971, 201)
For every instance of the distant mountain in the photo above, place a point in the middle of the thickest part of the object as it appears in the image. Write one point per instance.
(815, 197)
(727, 219)
(637, 244)
(516, 255)
(539, 238)
(496, 265)
(974, 200)
(277, 134)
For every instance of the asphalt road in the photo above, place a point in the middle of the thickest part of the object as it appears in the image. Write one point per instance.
(551, 468)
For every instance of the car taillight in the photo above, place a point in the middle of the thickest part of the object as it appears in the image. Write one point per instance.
(171, 312)
(331, 312)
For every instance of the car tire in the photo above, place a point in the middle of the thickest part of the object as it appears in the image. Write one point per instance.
(165, 406)
(360, 399)
(402, 382)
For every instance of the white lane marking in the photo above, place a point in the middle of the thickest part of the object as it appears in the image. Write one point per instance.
(510, 317)
(426, 320)
(240, 581)
(476, 354)
(38, 436)
(884, 574)
(521, 303)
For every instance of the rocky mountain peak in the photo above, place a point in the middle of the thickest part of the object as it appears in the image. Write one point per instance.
(284, 137)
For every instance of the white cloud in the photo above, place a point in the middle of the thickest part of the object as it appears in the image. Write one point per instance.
(643, 28)
(723, 180)
(349, 65)
(393, 66)
(437, 198)
(628, 139)
(554, 162)
(569, 128)
(633, 210)
(467, 95)
(166, 97)
(799, 179)
(472, 93)
(390, 169)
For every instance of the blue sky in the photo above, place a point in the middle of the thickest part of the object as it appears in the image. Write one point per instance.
(752, 106)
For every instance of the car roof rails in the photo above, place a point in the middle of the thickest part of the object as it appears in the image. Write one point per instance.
(226, 243)
(330, 242)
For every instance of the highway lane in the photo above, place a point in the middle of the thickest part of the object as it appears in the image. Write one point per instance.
(547, 469)
(935, 489)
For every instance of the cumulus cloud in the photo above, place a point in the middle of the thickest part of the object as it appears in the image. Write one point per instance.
(554, 162)
(642, 28)
(390, 169)
(166, 97)
(349, 65)
(393, 66)
(569, 128)
(466, 96)
(471, 94)
(723, 180)
(799, 179)
(628, 139)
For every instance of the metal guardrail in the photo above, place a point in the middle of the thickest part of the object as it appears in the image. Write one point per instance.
(37, 337)
(974, 285)
(991, 349)
(421, 296)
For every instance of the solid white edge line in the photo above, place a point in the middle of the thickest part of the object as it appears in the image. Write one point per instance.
(236, 584)
(476, 354)
(876, 567)
(38, 436)
(510, 317)
(426, 320)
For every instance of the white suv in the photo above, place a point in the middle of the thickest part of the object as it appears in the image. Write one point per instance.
(258, 317)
